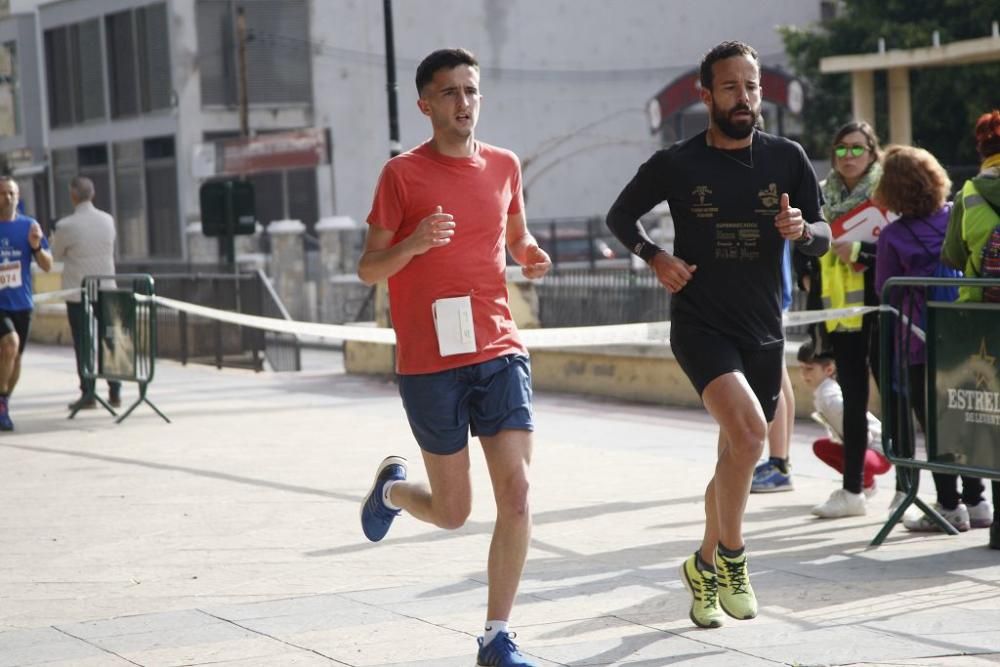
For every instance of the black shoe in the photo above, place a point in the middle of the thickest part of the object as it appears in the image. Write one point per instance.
(83, 404)
(115, 401)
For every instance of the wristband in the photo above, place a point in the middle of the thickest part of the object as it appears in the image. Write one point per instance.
(35, 250)
(647, 251)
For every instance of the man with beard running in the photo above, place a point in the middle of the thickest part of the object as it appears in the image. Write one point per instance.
(735, 194)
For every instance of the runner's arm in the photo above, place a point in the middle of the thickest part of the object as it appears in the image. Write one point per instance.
(641, 194)
(815, 239)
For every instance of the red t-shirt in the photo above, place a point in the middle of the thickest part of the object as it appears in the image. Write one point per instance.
(480, 191)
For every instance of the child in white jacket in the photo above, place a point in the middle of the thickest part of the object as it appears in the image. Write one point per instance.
(818, 373)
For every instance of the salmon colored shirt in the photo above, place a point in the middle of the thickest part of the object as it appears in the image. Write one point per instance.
(480, 191)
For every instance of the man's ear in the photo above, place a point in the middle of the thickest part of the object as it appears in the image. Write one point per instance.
(706, 96)
(424, 107)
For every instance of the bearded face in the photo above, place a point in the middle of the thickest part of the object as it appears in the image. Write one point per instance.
(737, 122)
(735, 96)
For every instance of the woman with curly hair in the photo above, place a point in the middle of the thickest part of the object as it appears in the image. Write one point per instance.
(916, 186)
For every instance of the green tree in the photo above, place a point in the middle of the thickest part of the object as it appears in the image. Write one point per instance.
(946, 101)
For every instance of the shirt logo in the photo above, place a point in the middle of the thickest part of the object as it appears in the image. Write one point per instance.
(701, 192)
(769, 198)
(701, 206)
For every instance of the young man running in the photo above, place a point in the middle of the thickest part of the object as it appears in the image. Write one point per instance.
(443, 215)
(731, 191)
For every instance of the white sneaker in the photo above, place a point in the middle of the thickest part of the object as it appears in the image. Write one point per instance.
(958, 517)
(981, 515)
(842, 503)
(870, 491)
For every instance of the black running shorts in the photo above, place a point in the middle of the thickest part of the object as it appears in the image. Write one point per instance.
(705, 355)
(18, 321)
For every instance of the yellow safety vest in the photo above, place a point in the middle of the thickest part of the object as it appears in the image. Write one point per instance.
(978, 221)
(842, 287)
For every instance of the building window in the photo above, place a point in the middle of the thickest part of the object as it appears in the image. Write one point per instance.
(73, 73)
(146, 198)
(10, 94)
(90, 161)
(130, 200)
(277, 52)
(64, 168)
(138, 60)
(161, 197)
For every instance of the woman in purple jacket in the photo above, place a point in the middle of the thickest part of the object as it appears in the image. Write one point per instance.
(916, 186)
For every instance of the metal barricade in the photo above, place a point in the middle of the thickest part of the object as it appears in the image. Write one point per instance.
(961, 393)
(119, 336)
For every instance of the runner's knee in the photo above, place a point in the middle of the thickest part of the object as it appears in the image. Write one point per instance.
(513, 498)
(747, 437)
(9, 345)
(453, 514)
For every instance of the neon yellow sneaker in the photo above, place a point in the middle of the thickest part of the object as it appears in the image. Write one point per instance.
(705, 612)
(736, 595)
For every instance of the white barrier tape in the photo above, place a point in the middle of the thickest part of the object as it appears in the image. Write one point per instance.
(58, 295)
(614, 334)
(802, 317)
(362, 334)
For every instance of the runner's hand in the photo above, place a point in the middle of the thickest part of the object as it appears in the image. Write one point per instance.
(843, 250)
(35, 235)
(789, 220)
(433, 231)
(536, 262)
(672, 272)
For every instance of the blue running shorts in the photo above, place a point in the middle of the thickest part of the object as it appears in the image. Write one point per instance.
(483, 398)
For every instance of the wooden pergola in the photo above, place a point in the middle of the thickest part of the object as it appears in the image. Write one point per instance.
(899, 62)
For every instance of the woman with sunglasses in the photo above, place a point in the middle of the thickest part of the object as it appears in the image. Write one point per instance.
(843, 278)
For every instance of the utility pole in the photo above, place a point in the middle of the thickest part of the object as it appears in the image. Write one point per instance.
(395, 148)
(241, 56)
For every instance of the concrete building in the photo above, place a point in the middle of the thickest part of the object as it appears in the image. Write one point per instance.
(142, 96)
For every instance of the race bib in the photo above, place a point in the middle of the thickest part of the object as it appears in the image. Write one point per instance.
(453, 324)
(10, 275)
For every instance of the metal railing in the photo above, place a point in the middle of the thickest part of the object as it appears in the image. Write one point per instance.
(589, 297)
(199, 340)
(960, 341)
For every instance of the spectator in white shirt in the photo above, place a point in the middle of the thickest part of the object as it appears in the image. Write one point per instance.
(85, 243)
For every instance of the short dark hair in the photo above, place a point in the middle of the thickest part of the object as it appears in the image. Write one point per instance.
(721, 52)
(442, 59)
(807, 355)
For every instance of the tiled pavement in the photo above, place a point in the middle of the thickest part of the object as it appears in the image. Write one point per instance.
(230, 537)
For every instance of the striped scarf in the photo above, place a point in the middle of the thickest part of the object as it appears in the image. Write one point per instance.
(838, 200)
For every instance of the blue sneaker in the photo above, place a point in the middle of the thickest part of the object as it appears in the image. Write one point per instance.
(375, 516)
(502, 652)
(5, 423)
(768, 478)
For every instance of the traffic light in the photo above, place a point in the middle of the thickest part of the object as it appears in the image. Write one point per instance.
(224, 203)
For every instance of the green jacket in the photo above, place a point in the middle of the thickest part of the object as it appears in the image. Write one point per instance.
(973, 218)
